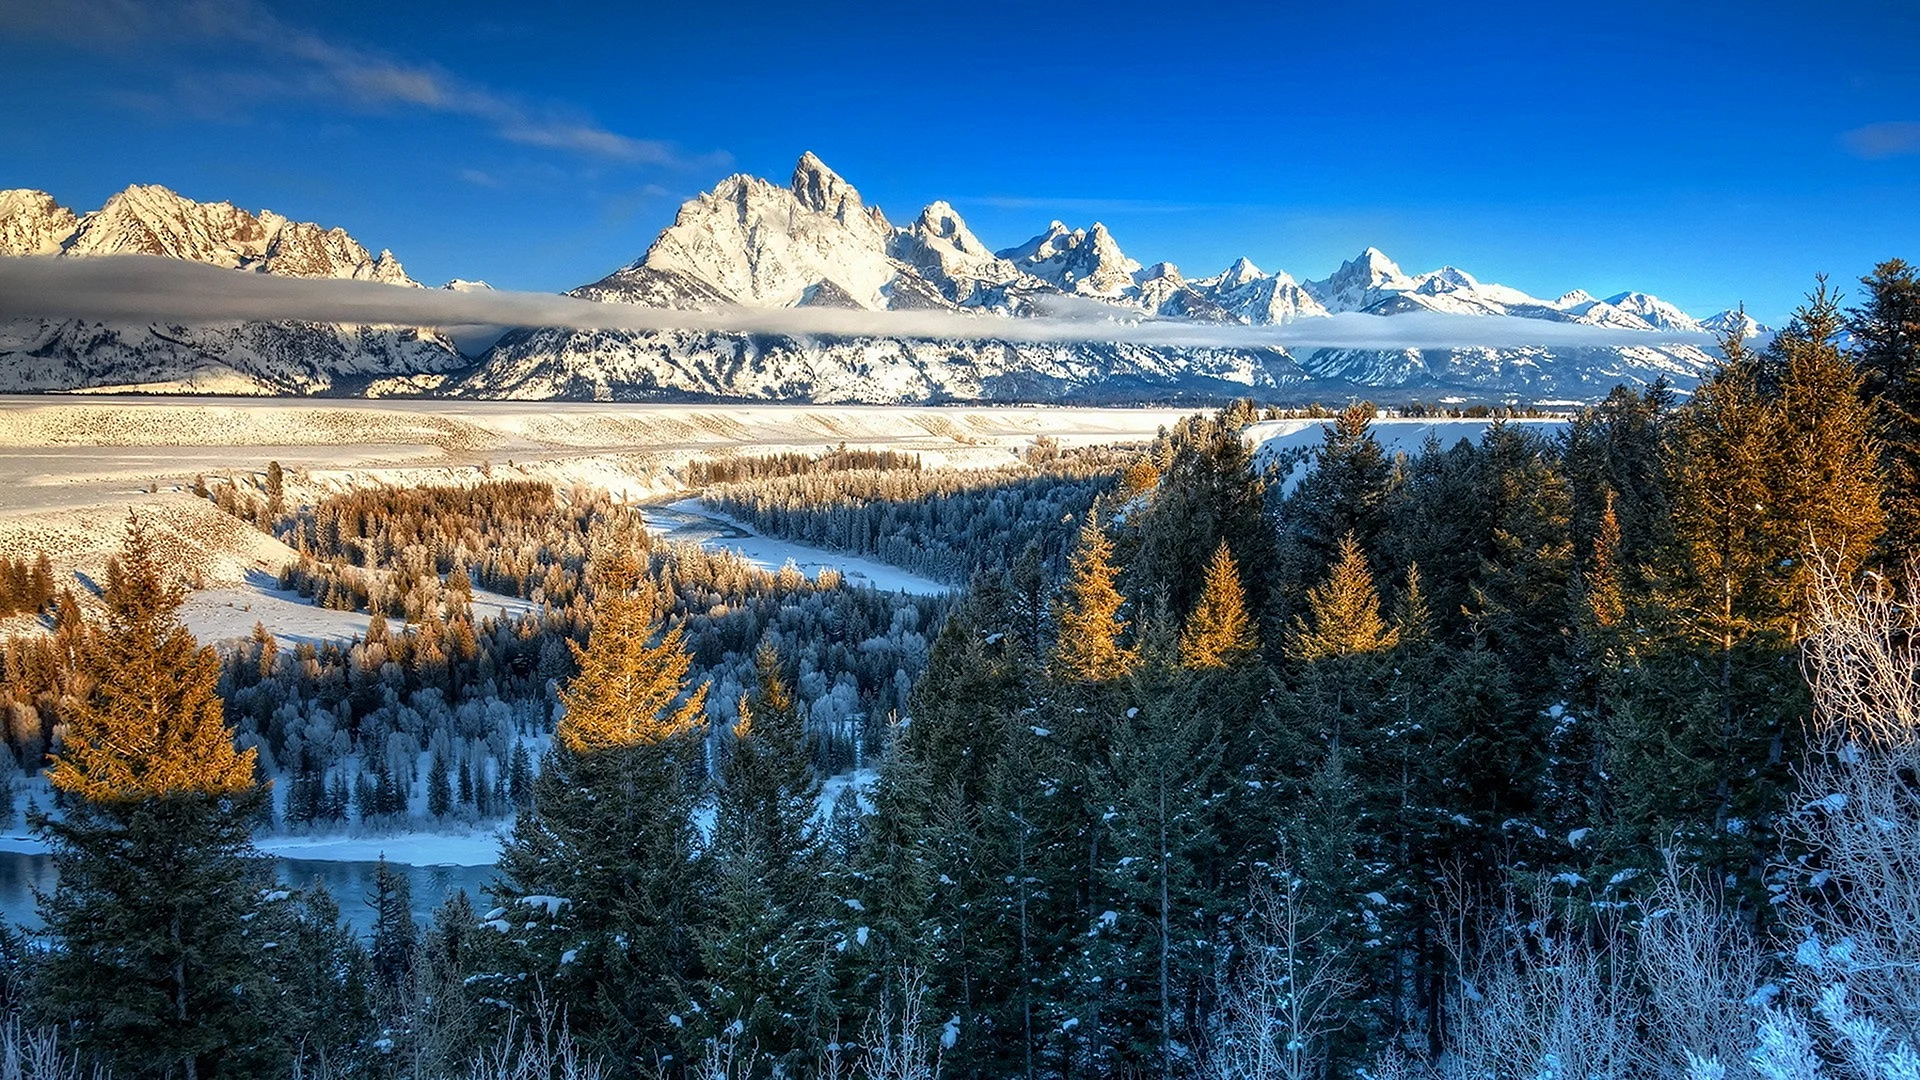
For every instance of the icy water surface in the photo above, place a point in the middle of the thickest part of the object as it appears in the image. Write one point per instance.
(350, 882)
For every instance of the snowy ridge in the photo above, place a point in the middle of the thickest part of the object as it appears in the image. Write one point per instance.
(235, 358)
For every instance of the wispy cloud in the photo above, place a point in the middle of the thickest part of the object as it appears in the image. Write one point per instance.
(296, 62)
(1893, 138)
(139, 288)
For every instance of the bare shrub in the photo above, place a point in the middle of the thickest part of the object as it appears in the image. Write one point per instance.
(1856, 907)
(898, 1045)
(1278, 1012)
(1699, 967)
(1543, 997)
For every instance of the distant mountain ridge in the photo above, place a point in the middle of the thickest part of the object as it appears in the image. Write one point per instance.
(815, 242)
(247, 358)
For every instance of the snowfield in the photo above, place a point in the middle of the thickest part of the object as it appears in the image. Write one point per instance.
(72, 469)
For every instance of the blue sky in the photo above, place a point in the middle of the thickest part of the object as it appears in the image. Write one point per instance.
(1712, 155)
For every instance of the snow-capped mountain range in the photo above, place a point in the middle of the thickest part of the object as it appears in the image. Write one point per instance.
(248, 358)
(816, 243)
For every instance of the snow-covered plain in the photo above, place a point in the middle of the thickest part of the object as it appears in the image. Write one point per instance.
(71, 469)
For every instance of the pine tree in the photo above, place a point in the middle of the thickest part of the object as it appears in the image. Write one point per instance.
(1218, 633)
(1344, 613)
(600, 874)
(152, 959)
(154, 726)
(762, 935)
(1886, 332)
(1344, 491)
(1210, 490)
(325, 979)
(520, 777)
(1151, 954)
(276, 492)
(439, 787)
(1828, 483)
(1773, 465)
(395, 938)
(1090, 648)
(624, 693)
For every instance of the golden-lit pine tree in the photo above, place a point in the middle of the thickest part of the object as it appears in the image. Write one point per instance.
(1829, 481)
(611, 832)
(1219, 634)
(153, 725)
(156, 966)
(1343, 617)
(1605, 595)
(1090, 649)
(624, 693)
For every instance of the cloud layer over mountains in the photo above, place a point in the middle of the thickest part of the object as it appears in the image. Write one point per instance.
(144, 288)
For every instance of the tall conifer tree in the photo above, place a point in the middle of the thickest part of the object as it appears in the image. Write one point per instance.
(1090, 648)
(151, 959)
(1218, 633)
(599, 877)
(764, 932)
(1886, 330)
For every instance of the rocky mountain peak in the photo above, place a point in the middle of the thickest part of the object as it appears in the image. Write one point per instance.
(820, 188)
(1655, 311)
(1087, 261)
(1361, 281)
(33, 223)
(149, 219)
(1241, 272)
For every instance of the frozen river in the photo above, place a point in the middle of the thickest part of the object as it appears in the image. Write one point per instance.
(692, 521)
(350, 882)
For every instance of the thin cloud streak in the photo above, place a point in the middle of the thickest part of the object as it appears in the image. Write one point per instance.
(143, 288)
(1893, 138)
(330, 71)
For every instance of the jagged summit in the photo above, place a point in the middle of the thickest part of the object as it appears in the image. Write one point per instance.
(820, 188)
(149, 219)
(1733, 319)
(32, 223)
(1654, 311)
(1084, 261)
(1240, 273)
